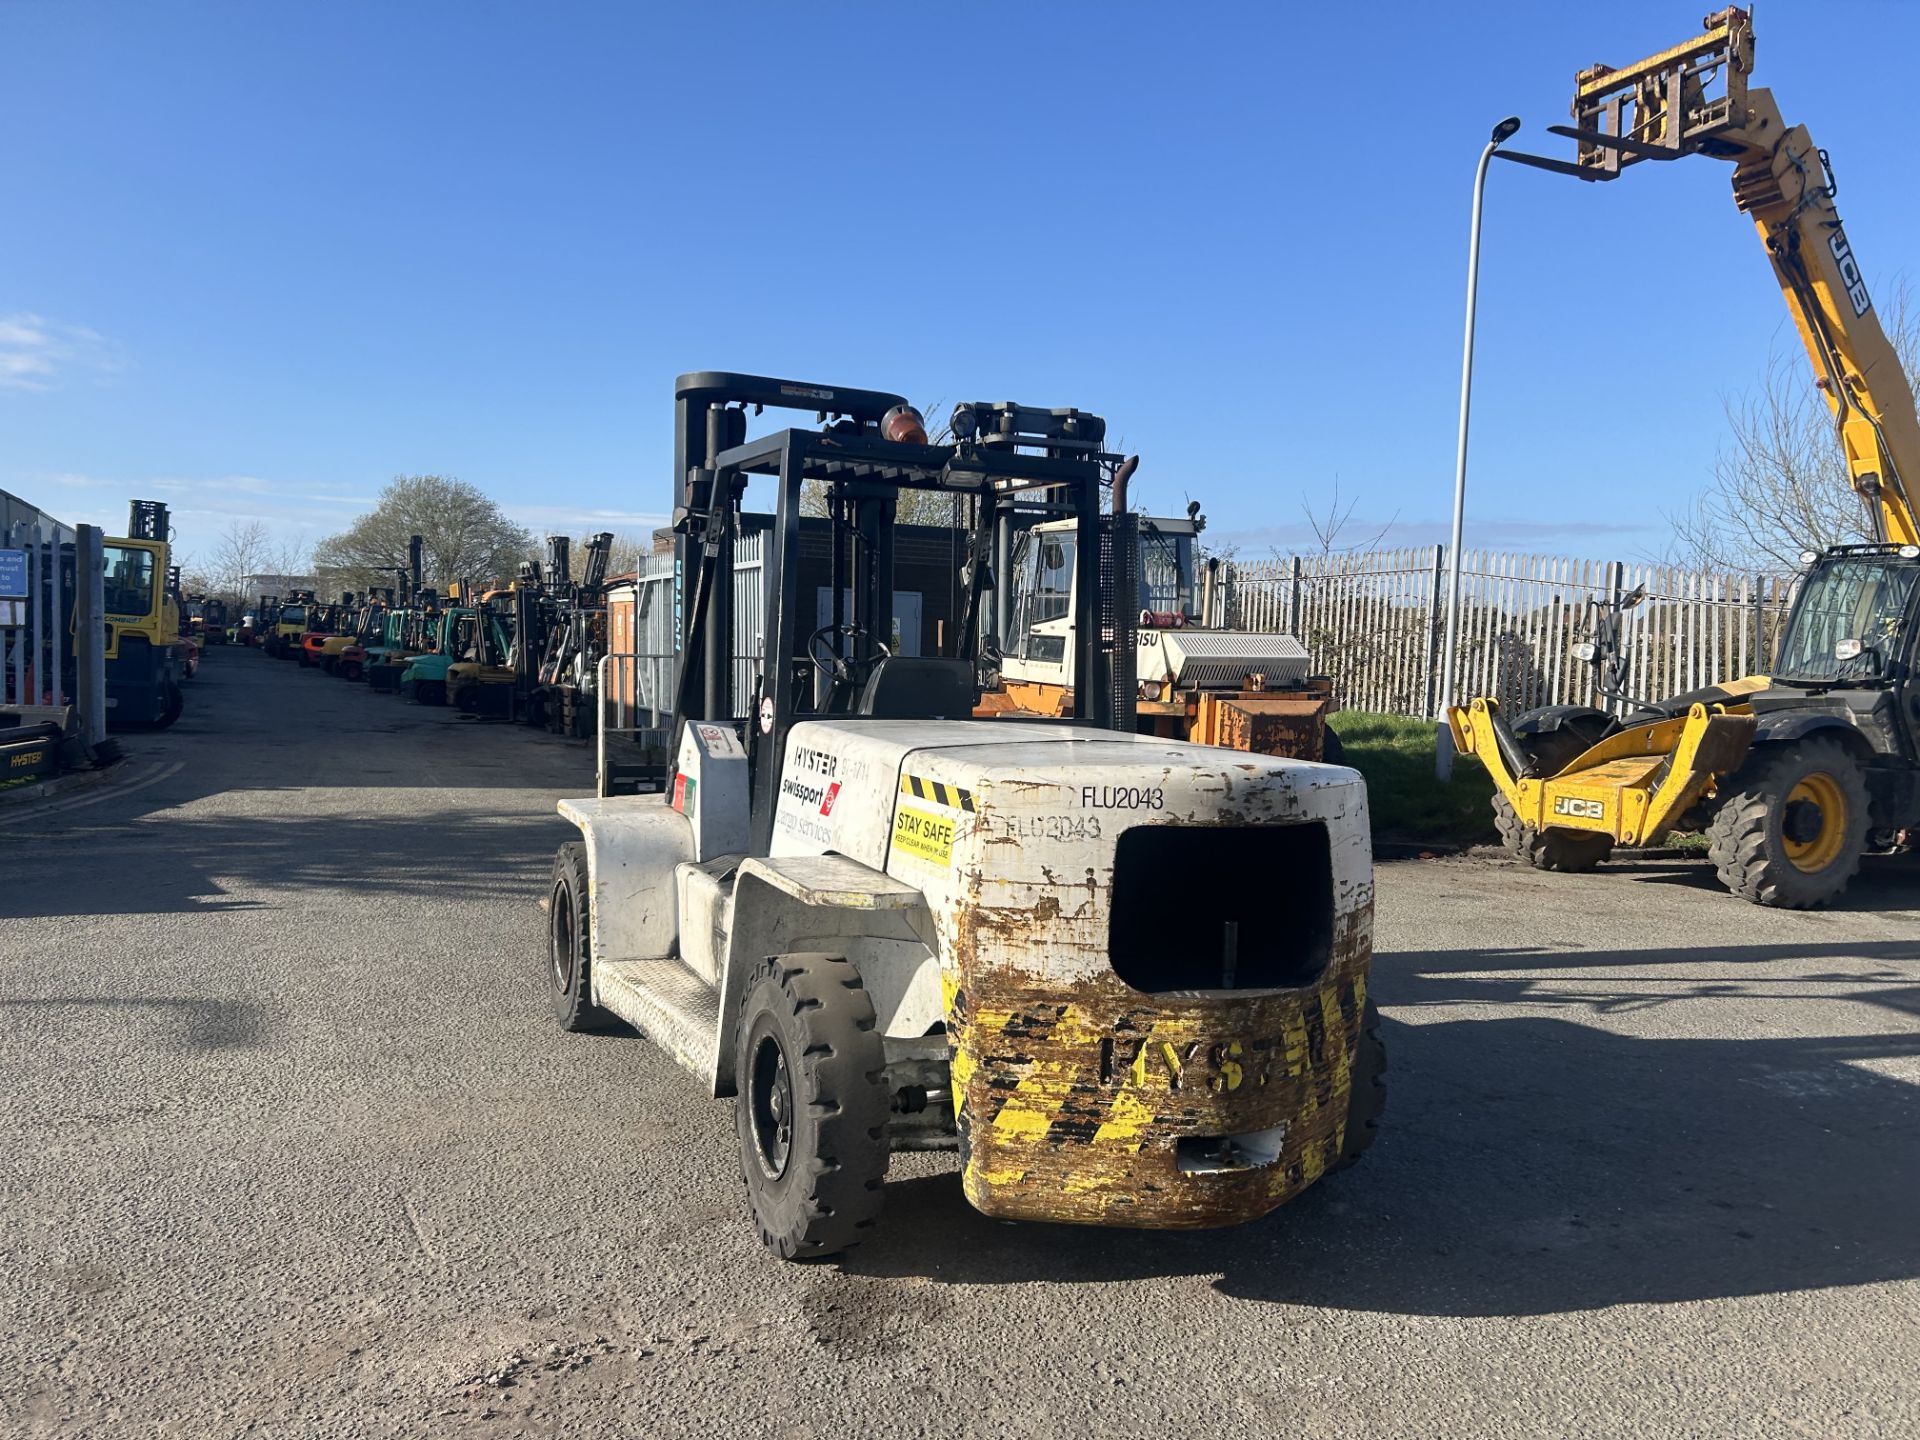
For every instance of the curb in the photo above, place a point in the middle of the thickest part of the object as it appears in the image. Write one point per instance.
(28, 795)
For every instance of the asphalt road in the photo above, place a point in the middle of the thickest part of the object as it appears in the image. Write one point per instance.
(289, 1146)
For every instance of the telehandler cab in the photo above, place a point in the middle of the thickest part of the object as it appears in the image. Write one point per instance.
(1794, 775)
(1124, 976)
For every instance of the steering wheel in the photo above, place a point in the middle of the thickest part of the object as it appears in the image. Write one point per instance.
(836, 667)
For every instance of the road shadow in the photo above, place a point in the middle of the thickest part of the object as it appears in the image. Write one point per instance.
(1885, 882)
(196, 864)
(1534, 1165)
(205, 1024)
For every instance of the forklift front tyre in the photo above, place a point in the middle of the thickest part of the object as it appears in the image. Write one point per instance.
(811, 1105)
(570, 943)
(1571, 851)
(1789, 830)
(171, 706)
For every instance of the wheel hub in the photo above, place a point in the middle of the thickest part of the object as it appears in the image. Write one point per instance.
(772, 1105)
(1813, 828)
(1802, 823)
(562, 934)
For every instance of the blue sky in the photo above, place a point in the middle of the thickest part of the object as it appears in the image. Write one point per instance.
(259, 258)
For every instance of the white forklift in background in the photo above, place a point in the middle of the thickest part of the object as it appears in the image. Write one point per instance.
(1124, 976)
(1245, 690)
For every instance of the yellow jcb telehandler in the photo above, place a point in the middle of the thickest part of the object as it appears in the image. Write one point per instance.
(1796, 774)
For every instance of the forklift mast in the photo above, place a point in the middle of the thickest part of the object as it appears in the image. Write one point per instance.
(1694, 99)
(872, 445)
(149, 520)
(594, 574)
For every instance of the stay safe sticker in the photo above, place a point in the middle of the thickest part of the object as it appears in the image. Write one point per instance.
(923, 834)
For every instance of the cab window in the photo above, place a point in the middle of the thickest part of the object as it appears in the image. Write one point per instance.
(129, 589)
(1043, 591)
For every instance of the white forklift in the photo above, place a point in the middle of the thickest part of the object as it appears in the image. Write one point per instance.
(1124, 976)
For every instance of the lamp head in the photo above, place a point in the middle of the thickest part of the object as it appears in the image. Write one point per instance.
(1506, 129)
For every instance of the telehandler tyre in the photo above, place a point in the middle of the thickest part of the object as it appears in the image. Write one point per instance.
(1570, 851)
(570, 944)
(811, 1105)
(1791, 826)
(1368, 1098)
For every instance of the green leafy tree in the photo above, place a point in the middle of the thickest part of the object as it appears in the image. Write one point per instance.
(465, 536)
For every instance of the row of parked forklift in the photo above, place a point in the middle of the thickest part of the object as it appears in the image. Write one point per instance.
(524, 652)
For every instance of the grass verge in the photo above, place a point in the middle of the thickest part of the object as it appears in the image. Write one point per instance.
(1409, 806)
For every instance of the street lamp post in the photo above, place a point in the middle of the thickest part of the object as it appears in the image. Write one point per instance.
(1443, 751)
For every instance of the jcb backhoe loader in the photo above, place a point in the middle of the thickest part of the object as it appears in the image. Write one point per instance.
(1124, 976)
(1797, 773)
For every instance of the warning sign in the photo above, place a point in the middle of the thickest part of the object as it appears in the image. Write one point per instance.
(920, 833)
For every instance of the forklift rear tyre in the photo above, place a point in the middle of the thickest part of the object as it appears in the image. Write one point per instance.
(811, 1105)
(1367, 1101)
(430, 692)
(350, 670)
(570, 943)
(171, 707)
(1791, 827)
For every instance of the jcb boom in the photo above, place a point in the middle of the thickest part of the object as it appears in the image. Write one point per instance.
(1794, 775)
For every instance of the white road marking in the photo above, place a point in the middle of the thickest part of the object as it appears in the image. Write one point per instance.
(112, 791)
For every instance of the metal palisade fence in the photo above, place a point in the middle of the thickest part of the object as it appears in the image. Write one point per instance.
(1374, 621)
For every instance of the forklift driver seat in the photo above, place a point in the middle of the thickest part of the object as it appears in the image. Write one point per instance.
(914, 687)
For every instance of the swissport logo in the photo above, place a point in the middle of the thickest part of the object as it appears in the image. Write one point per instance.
(833, 794)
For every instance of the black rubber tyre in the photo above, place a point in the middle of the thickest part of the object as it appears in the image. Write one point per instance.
(430, 692)
(1331, 750)
(350, 670)
(570, 943)
(1760, 841)
(1568, 851)
(170, 710)
(1368, 1101)
(811, 1105)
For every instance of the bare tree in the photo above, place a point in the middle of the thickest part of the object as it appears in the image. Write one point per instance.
(630, 550)
(1332, 527)
(1780, 484)
(465, 535)
(242, 550)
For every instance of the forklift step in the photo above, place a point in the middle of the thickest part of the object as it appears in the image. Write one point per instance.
(670, 1004)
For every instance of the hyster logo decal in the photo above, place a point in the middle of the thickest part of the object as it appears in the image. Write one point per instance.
(1849, 271)
(833, 794)
(1583, 809)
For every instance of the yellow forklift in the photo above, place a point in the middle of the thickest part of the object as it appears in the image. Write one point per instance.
(1797, 773)
(143, 669)
(287, 624)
